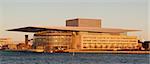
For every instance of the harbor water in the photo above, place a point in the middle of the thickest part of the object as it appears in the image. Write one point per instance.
(70, 58)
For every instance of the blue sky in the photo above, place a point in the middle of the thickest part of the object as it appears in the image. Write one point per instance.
(114, 13)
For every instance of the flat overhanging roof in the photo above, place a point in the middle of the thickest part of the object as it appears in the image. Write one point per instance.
(88, 29)
(28, 29)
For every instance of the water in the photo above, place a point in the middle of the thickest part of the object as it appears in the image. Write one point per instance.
(68, 58)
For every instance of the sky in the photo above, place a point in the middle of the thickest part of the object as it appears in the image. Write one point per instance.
(148, 20)
(113, 13)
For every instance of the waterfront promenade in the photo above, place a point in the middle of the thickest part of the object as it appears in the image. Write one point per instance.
(115, 52)
(79, 51)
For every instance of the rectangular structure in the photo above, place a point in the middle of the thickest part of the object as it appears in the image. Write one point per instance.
(84, 22)
(108, 41)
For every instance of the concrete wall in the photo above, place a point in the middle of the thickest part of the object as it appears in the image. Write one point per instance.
(89, 23)
(108, 42)
(84, 22)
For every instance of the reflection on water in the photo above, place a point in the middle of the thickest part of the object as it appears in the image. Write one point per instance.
(68, 58)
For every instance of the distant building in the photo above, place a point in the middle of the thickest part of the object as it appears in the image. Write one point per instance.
(5, 41)
(23, 46)
(81, 34)
(10, 46)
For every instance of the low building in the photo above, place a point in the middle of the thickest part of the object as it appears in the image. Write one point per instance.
(5, 41)
(23, 46)
(81, 34)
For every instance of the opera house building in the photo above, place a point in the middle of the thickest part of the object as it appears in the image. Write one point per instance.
(81, 34)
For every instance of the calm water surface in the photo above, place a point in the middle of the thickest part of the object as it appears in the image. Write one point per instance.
(68, 58)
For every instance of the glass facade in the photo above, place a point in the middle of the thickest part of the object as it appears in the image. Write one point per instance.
(52, 40)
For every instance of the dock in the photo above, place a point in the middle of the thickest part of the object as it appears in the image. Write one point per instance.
(113, 52)
(80, 51)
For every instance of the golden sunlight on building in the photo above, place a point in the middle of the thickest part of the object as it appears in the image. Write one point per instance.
(81, 34)
(5, 41)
